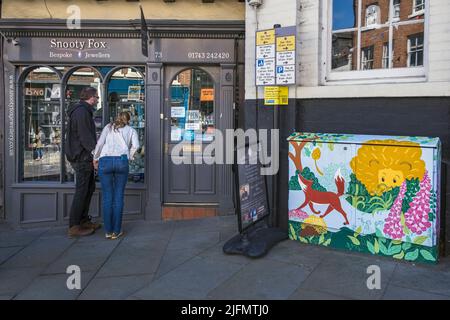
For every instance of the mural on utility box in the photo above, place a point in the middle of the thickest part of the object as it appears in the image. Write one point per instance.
(366, 193)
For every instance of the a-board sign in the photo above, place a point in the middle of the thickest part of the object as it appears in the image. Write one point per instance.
(251, 187)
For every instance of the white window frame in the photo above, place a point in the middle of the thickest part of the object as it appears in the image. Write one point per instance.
(415, 5)
(364, 59)
(396, 6)
(415, 51)
(391, 75)
(385, 56)
(377, 15)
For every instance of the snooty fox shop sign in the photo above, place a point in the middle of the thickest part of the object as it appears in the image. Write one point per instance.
(75, 50)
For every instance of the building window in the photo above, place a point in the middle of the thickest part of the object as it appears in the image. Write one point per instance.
(367, 58)
(415, 50)
(396, 9)
(372, 15)
(419, 6)
(385, 59)
(354, 47)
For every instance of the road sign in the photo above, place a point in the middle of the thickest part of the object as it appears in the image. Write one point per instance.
(266, 51)
(265, 37)
(285, 74)
(265, 72)
(275, 56)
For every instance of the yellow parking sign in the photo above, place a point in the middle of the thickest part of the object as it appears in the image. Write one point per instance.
(276, 96)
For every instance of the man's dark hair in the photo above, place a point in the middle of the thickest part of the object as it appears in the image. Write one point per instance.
(87, 93)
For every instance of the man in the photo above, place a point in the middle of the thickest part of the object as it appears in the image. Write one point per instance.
(80, 142)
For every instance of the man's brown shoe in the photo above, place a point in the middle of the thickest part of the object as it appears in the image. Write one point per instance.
(91, 225)
(79, 231)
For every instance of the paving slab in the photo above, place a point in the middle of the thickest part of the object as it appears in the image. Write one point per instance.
(192, 280)
(14, 280)
(423, 278)
(201, 240)
(6, 297)
(16, 238)
(8, 252)
(150, 230)
(341, 273)
(55, 288)
(89, 256)
(173, 258)
(297, 253)
(261, 279)
(216, 253)
(134, 256)
(398, 293)
(115, 288)
(40, 253)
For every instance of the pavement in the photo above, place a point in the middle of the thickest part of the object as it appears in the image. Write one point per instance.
(183, 260)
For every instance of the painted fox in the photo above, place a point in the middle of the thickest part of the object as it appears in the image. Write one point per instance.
(322, 197)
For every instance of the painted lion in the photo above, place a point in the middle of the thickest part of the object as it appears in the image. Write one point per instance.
(385, 164)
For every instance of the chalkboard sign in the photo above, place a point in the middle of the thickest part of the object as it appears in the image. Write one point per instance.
(251, 187)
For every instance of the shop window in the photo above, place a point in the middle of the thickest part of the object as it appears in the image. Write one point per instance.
(41, 126)
(192, 97)
(126, 93)
(350, 39)
(79, 79)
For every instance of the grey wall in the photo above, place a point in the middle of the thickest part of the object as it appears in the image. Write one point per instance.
(383, 116)
(2, 126)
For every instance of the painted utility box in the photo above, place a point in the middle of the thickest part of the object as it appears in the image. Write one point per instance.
(375, 194)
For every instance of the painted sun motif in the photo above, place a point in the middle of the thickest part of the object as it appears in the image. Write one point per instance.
(381, 166)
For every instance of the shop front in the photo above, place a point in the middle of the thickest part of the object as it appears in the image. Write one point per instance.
(182, 92)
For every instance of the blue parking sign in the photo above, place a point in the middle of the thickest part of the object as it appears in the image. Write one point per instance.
(260, 62)
(280, 69)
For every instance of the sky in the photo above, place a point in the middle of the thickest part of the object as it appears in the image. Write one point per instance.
(343, 15)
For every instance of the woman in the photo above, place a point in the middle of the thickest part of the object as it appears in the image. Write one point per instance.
(38, 144)
(117, 144)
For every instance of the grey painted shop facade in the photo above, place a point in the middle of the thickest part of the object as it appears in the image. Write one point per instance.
(190, 65)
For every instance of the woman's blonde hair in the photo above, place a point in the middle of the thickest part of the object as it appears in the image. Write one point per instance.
(121, 121)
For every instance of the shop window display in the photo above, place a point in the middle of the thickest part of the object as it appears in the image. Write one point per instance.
(192, 107)
(41, 126)
(126, 92)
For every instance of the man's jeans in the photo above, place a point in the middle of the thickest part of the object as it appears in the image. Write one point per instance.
(84, 188)
(113, 173)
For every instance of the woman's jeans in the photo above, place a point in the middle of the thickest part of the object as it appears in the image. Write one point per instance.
(113, 173)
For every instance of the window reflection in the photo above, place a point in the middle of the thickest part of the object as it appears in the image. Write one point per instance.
(389, 34)
(126, 92)
(192, 107)
(41, 126)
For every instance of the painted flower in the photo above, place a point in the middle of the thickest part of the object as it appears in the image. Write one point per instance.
(298, 213)
(416, 218)
(392, 224)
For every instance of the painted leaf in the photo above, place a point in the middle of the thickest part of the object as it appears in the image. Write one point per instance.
(370, 247)
(383, 249)
(321, 239)
(327, 243)
(376, 246)
(427, 255)
(411, 256)
(304, 240)
(354, 240)
(408, 238)
(395, 250)
(420, 239)
(406, 245)
(400, 255)
(358, 231)
(293, 234)
(397, 241)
